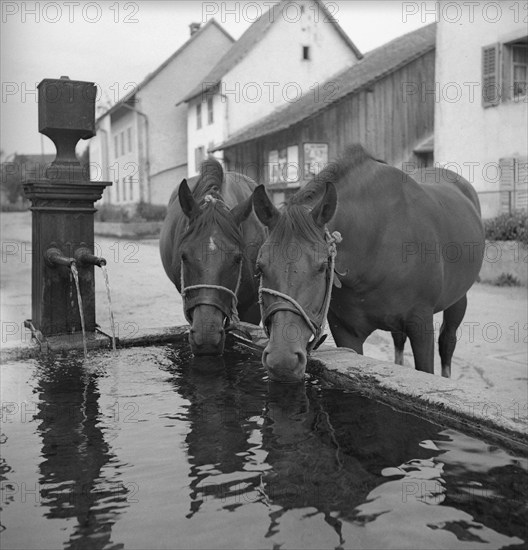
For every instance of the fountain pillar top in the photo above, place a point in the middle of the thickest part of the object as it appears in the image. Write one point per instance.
(66, 115)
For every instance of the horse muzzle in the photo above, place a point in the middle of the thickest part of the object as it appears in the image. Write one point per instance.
(207, 334)
(285, 361)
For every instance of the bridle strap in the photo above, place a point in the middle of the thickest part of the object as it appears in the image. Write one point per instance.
(189, 304)
(232, 314)
(290, 304)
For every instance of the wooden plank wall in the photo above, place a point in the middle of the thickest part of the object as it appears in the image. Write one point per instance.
(384, 118)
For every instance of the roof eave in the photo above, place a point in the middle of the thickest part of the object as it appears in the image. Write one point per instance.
(227, 144)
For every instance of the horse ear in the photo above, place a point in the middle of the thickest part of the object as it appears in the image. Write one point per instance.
(264, 208)
(325, 210)
(189, 205)
(242, 211)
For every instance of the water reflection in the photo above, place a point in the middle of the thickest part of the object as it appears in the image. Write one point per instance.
(336, 469)
(224, 410)
(74, 477)
(222, 458)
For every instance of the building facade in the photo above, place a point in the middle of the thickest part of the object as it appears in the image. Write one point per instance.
(375, 102)
(141, 141)
(482, 106)
(290, 51)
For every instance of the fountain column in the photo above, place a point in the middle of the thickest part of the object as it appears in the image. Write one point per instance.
(62, 206)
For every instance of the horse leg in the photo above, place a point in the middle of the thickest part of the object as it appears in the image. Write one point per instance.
(344, 337)
(399, 339)
(453, 316)
(420, 329)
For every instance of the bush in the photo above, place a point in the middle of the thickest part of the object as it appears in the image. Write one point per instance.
(14, 207)
(111, 213)
(507, 227)
(506, 279)
(151, 212)
(143, 212)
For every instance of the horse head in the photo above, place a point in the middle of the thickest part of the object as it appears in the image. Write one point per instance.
(296, 267)
(211, 265)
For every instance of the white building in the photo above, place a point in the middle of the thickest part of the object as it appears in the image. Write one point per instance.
(141, 141)
(291, 50)
(481, 113)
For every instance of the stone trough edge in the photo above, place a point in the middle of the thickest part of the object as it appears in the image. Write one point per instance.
(449, 403)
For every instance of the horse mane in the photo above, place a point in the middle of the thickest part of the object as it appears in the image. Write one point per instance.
(354, 157)
(296, 222)
(214, 212)
(211, 179)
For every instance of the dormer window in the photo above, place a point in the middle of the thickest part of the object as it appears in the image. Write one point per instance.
(306, 53)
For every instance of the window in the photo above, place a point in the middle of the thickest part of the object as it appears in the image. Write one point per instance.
(116, 186)
(199, 155)
(306, 53)
(504, 71)
(131, 189)
(198, 116)
(116, 146)
(122, 137)
(519, 69)
(210, 115)
(129, 139)
(124, 182)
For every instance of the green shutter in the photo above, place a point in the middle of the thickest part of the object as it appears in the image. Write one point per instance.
(491, 82)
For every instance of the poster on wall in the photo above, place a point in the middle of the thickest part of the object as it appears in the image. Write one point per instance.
(315, 158)
(284, 165)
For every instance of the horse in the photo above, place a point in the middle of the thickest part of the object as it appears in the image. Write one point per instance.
(408, 250)
(208, 244)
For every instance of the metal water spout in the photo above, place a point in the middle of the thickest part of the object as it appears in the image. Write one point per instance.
(62, 206)
(54, 257)
(84, 257)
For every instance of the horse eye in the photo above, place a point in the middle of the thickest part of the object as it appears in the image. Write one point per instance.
(184, 257)
(238, 258)
(323, 267)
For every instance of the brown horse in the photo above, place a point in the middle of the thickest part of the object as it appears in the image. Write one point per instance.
(408, 250)
(208, 244)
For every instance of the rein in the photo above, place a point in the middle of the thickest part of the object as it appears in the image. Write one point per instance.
(316, 325)
(231, 313)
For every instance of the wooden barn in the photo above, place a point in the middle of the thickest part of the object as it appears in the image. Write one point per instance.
(385, 101)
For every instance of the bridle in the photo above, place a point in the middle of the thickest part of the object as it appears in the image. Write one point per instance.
(189, 303)
(286, 303)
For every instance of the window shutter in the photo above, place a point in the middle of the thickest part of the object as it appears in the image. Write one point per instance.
(521, 184)
(491, 75)
(507, 183)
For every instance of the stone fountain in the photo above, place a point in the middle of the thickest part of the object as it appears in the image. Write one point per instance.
(62, 206)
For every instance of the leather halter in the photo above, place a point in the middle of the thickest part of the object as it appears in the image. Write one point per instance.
(230, 311)
(286, 303)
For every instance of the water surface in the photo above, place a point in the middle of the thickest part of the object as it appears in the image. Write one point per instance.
(150, 448)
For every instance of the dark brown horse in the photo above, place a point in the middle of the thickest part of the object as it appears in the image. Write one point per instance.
(208, 244)
(408, 250)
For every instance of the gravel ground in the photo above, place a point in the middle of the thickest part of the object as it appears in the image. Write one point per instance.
(492, 350)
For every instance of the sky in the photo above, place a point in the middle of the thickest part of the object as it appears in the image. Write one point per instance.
(117, 43)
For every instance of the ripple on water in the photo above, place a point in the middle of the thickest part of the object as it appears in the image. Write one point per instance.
(150, 447)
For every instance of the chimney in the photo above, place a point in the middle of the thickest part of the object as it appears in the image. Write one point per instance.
(195, 27)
